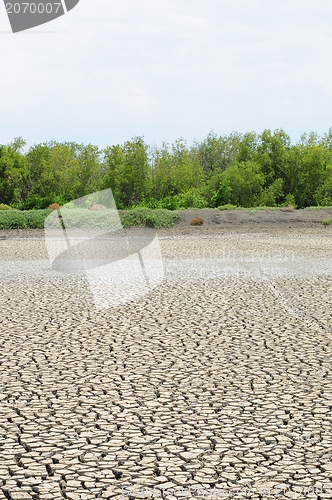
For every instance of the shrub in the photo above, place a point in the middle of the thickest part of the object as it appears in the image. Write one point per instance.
(191, 199)
(147, 217)
(289, 200)
(13, 220)
(83, 218)
(197, 221)
(4, 207)
(326, 222)
(323, 195)
(240, 184)
(168, 203)
(54, 206)
(150, 220)
(32, 219)
(35, 202)
(151, 203)
(272, 194)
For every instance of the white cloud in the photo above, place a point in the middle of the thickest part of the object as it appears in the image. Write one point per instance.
(168, 68)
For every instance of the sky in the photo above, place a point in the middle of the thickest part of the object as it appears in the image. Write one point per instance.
(111, 70)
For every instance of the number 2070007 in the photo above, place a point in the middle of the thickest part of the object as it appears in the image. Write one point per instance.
(32, 8)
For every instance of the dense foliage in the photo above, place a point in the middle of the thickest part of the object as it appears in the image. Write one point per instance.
(240, 169)
(35, 219)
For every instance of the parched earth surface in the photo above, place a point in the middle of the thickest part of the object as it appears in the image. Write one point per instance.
(215, 384)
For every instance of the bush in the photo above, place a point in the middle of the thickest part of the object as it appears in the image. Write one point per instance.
(147, 217)
(35, 219)
(151, 203)
(54, 206)
(4, 207)
(83, 218)
(197, 221)
(168, 203)
(323, 195)
(32, 219)
(191, 199)
(272, 194)
(35, 202)
(241, 184)
(289, 200)
(326, 222)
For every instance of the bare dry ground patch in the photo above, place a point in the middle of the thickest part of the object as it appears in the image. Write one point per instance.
(217, 383)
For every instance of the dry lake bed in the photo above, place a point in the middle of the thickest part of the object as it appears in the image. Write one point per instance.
(215, 384)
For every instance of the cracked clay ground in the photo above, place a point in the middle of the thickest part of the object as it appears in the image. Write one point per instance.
(216, 384)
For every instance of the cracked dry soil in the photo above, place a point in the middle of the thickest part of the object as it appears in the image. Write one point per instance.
(210, 386)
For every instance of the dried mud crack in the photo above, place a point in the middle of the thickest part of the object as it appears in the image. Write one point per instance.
(214, 384)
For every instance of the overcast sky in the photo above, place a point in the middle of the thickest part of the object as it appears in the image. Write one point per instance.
(109, 70)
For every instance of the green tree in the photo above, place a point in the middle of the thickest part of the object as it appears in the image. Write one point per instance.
(127, 171)
(312, 169)
(88, 168)
(241, 185)
(12, 171)
(162, 183)
(52, 174)
(273, 154)
(273, 194)
(323, 194)
(113, 168)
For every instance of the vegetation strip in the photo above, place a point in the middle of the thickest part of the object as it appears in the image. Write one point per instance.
(239, 170)
(34, 219)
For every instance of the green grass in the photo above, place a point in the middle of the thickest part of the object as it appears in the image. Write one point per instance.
(229, 207)
(317, 208)
(250, 209)
(262, 208)
(253, 210)
(34, 219)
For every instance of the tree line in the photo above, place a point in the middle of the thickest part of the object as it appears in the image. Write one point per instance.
(243, 170)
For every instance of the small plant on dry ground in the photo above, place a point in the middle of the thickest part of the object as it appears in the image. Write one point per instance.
(326, 222)
(197, 221)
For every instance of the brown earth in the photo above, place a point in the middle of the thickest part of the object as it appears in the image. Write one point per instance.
(251, 220)
(215, 384)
